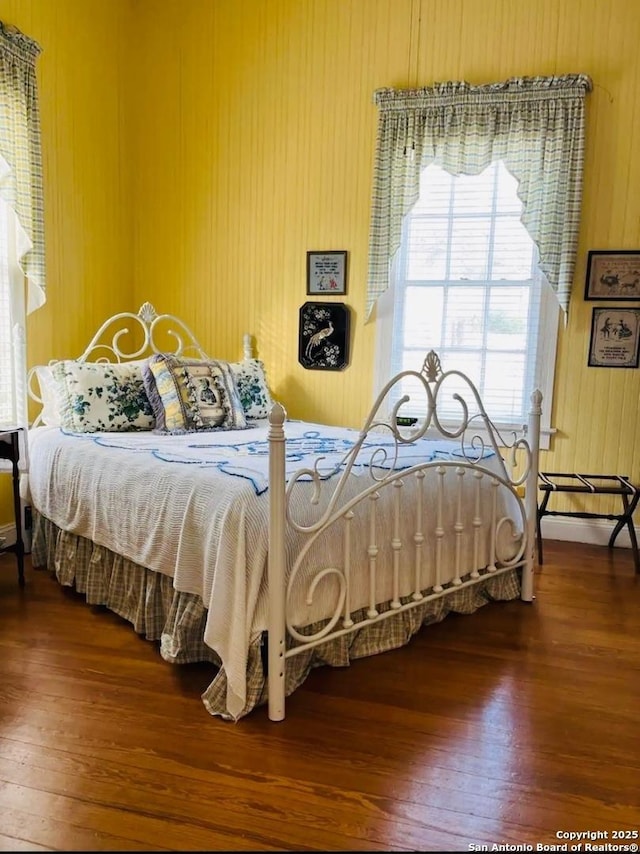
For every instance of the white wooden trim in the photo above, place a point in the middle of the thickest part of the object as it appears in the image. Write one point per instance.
(7, 534)
(595, 532)
(8, 530)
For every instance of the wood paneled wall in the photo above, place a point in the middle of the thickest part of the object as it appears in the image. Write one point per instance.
(195, 150)
(256, 134)
(83, 84)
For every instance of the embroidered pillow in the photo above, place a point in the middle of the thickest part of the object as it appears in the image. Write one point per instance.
(102, 396)
(252, 387)
(193, 394)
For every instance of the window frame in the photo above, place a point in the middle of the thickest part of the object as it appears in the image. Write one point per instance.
(13, 283)
(544, 371)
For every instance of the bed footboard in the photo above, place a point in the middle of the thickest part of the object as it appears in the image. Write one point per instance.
(395, 531)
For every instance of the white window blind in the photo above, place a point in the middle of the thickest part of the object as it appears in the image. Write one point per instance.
(466, 284)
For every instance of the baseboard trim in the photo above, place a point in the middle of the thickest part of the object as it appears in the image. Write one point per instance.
(594, 532)
(8, 534)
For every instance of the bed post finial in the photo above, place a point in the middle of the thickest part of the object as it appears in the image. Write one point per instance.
(247, 346)
(431, 367)
(147, 313)
(277, 417)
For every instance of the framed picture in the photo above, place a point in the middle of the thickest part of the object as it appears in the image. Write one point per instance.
(327, 272)
(614, 338)
(613, 275)
(323, 336)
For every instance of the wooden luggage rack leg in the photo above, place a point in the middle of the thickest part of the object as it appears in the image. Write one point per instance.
(591, 484)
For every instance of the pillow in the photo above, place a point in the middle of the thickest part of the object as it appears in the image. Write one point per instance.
(151, 390)
(101, 396)
(50, 413)
(252, 387)
(192, 395)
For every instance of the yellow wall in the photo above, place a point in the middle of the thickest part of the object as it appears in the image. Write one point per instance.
(196, 149)
(256, 132)
(87, 170)
(255, 139)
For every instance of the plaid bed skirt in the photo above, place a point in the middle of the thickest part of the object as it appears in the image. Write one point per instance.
(158, 612)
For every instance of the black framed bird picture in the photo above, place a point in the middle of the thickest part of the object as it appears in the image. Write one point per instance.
(323, 336)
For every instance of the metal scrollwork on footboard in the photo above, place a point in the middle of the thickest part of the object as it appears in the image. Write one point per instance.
(386, 532)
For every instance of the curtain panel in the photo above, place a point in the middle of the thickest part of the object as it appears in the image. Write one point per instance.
(20, 155)
(535, 125)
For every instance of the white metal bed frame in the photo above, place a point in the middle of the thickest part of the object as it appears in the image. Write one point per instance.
(432, 379)
(523, 457)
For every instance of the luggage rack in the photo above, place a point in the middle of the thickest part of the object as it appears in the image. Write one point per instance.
(591, 484)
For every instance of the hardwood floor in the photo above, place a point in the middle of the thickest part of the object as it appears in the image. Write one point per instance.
(506, 727)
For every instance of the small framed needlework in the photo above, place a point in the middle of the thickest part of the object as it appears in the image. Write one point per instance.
(327, 272)
(613, 275)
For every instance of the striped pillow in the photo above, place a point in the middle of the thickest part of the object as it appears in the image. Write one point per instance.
(190, 395)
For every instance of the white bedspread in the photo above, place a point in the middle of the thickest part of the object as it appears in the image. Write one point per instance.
(195, 507)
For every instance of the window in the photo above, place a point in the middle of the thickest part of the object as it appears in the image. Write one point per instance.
(465, 283)
(6, 369)
(451, 266)
(11, 312)
(22, 257)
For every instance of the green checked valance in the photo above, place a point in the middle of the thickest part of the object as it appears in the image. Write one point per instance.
(535, 125)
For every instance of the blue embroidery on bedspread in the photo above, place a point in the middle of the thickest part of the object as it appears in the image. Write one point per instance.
(310, 450)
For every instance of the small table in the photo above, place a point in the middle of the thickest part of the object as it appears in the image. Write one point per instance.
(10, 450)
(592, 484)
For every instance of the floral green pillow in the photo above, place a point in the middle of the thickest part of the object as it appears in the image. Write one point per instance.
(102, 396)
(252, 387)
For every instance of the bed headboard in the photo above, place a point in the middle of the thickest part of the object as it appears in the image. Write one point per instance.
(152, 324)
(152, 332)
